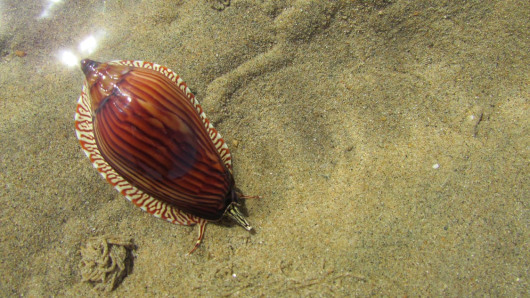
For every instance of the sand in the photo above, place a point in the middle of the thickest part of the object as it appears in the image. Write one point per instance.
(388, 139)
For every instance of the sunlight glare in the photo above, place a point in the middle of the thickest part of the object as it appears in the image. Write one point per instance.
(68, 58)
(88, 45)
(46, 13)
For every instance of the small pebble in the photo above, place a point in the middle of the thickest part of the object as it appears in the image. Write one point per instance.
(19, 53)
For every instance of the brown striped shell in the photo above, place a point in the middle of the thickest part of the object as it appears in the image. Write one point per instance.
(147, 135)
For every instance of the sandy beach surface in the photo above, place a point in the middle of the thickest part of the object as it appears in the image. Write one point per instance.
(388, 139)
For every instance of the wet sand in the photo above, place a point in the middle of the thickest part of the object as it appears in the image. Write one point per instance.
(389, 141)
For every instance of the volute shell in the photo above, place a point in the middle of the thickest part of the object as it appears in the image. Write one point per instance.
(148, 136)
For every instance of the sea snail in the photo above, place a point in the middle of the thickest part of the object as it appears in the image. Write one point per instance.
(144, 131)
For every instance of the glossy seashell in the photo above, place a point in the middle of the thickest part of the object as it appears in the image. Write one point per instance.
(147, 135)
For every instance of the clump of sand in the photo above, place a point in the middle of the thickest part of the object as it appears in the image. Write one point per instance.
(105, 261)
